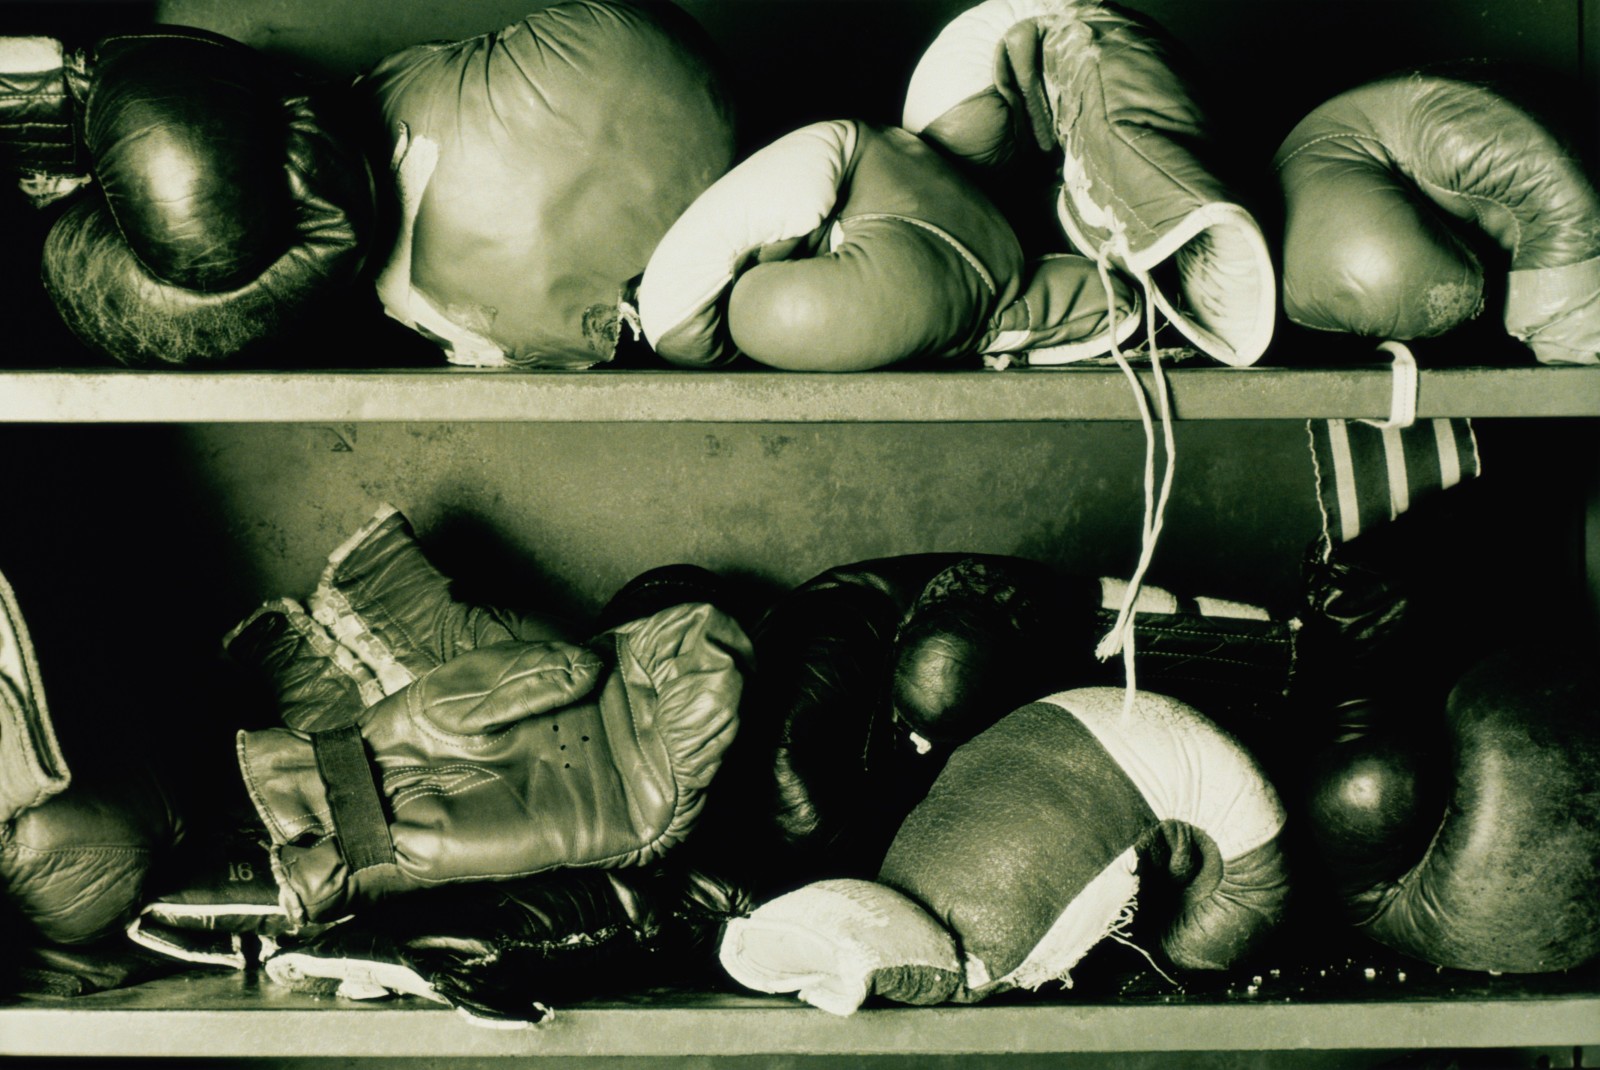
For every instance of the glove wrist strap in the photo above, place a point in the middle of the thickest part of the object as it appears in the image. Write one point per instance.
(354, 803)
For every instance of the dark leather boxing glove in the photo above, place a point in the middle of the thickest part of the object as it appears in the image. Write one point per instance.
(537, 167)
(1137, 192)
(381, 616)
(658, 588)
(514, 952)
(1375, 179)
(857, 660)
(1073, 818)
(508, 760)
(1473, 840)
(843, 246)
(225, 206)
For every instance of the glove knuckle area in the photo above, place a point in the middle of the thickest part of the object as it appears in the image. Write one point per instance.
(560, 205)
(182, 132)
(891, 291)
(1520, 836)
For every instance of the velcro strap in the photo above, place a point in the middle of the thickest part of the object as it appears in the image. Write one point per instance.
(354, 804)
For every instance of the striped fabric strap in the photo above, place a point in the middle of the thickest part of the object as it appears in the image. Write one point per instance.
(1367, 474)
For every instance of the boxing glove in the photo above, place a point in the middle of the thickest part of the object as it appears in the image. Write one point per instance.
(77, 845)
(507, 760)
(1097, 84)
(380, 616)
(227, 203)
(843, 246)
(836, 942)
(77, 866)
(664, 586)
(1074, 819)
(1374, 183)
(869, 673)
(1471, 841)
(513, 952)
(536, 168)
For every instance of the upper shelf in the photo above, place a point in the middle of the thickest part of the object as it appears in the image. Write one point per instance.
(1070, 393)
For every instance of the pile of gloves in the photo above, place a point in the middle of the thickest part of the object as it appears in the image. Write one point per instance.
(479, 800)
(910, 779)
(210, 203)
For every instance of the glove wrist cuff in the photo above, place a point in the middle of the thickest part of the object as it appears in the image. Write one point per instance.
(38, 136)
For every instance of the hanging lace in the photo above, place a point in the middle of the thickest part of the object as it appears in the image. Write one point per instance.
(1120, 637)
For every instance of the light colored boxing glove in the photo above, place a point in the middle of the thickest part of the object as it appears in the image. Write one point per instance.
(536, 168)
(508, 760)
(1374, 180)
(843, 246)
(1085, 78)
(836, 942)
(1034, 843)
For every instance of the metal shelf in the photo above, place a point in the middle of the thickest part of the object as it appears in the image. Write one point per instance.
(506, 395)
(230, 1015)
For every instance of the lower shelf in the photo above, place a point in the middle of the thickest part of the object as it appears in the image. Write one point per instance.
(232, 1015)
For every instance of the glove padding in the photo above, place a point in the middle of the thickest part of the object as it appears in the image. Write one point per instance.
(1474, 844)
(536, 168)
(226, 204)
(506, 953)
(381, 616)
(1373, 182)
(836, 942)
(505, 761)
(1097, 83)
(844, 246)
(1043, 833)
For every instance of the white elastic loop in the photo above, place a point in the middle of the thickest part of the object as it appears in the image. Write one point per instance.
(1407, 384)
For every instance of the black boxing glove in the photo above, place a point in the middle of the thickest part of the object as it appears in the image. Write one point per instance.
(863, 666)
(226, 205)
(505, 952)
(1473, 840)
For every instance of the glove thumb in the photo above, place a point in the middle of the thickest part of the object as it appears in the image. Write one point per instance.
(498, 685)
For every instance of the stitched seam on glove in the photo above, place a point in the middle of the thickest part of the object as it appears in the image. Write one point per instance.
(655, 845)
(1476, 200)
(476, 777)
(1343, 135)
(938, 232)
